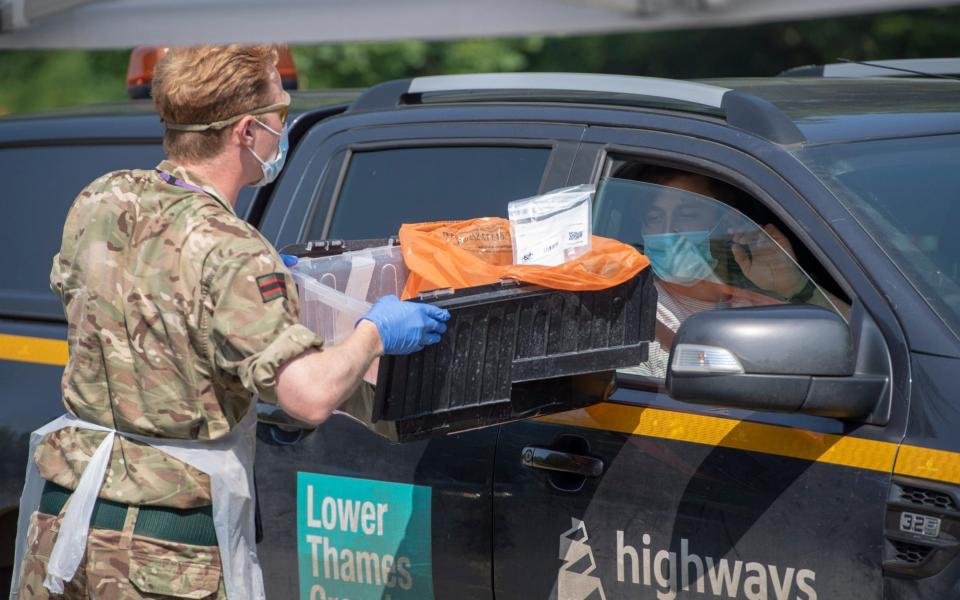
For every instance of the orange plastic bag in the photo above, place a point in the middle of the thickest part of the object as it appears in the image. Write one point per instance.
(460, 254)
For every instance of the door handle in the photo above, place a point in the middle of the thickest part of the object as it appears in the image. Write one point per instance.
(565, 462)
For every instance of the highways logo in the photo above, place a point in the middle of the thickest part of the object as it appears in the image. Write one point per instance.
(669, 572)
(574, 581)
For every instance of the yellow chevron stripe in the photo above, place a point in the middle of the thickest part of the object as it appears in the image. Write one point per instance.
(927, 463)
(33, 350)
(912, 461)
(731, 433)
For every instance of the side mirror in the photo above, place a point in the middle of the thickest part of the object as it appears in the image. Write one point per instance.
(792, 358)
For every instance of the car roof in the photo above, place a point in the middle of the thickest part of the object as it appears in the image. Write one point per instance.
(907, 67)
(846, 109)
(130, 121)
(786, 110)
(783, 110)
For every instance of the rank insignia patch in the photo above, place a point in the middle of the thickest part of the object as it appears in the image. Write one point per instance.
(272, 286)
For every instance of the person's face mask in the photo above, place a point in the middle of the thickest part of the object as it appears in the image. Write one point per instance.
(271, 168)
(683, 258)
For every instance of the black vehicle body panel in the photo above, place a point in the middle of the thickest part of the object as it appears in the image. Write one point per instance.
(528, 509)
(130, 129)
(685, 498)
(501, 529)
(693, 498)
(458, 469)
(31, 398)
(932, 425)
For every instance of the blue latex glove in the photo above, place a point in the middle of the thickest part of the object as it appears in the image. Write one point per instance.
(407, 327)
(289, 260)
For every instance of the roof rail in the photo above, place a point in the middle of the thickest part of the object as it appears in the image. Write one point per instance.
(880, 68)
(741, 110)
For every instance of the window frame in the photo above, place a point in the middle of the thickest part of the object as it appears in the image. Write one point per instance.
(321, 159)
(357, 148)
(735, 178)
(761, 172)
(613, 154)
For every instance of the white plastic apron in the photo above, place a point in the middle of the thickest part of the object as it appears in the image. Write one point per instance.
(227, 461)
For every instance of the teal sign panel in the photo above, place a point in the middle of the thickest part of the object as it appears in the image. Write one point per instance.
(360, 539)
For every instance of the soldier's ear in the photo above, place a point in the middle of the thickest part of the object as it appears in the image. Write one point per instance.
(243, 131)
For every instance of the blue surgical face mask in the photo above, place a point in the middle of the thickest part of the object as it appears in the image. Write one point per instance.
(683, 258)
(271, 168)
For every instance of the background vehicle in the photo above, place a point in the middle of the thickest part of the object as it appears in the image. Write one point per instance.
(861, 173)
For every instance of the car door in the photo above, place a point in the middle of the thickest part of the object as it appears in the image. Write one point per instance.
(647, 497)
(360, 177)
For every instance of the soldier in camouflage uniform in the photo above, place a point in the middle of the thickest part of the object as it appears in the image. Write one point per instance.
(178, 312)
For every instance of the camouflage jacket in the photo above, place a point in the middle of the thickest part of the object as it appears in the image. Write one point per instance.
(178, 311)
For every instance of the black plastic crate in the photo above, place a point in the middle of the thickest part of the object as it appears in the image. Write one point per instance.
(514, 351)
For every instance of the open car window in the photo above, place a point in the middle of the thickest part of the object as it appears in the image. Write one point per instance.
(705, 255)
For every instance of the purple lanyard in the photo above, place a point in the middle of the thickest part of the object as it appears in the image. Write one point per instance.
(180, 183)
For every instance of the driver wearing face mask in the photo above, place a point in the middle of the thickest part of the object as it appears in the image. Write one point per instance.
(703, 262)
(676, 239)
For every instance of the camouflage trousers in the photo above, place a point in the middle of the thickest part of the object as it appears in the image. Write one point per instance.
(119, 565)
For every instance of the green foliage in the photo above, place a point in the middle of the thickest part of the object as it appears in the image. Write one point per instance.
(760, 50)
(360, 65)
(357, 65)
(40, 80)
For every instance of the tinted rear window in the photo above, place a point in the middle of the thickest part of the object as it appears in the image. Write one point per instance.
(386, 188)
(39, 185)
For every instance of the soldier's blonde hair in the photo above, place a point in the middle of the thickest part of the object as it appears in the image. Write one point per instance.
(204, 84)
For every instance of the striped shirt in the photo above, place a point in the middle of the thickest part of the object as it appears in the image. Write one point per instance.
(672, 310)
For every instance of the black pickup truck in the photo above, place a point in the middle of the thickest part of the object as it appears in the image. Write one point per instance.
(851, 492)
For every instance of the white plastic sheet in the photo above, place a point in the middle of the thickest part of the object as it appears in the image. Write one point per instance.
(228, 461)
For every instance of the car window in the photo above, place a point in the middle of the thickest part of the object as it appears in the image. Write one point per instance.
(386, 188)
(244, 202)
(40, 184)
(704, 254)
(904, 192)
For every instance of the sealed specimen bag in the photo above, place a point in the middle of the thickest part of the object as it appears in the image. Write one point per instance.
(462, 254)
(552, 228)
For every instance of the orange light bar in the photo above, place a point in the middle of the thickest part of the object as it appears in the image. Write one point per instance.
(288, 72)
(143, 59)
(140, 70)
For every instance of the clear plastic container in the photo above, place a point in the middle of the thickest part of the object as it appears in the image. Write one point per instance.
(335, 291)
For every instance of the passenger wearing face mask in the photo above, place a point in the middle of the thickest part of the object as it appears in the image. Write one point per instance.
(706, 255)
(179, 312)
